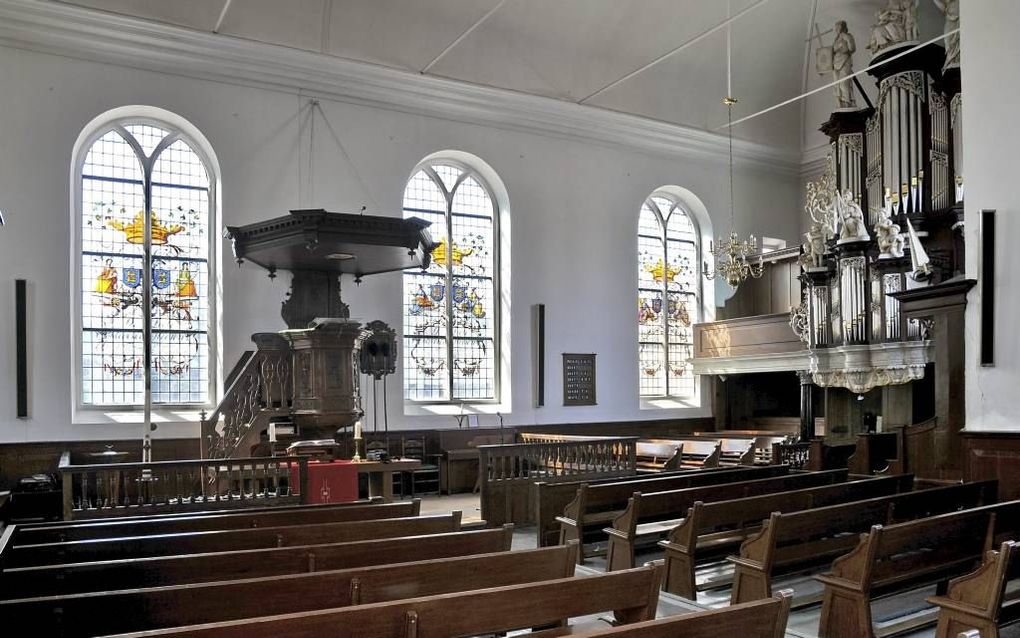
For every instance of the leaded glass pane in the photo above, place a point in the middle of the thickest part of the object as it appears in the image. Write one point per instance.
(668, 297)
(454, 303)
(113, 238)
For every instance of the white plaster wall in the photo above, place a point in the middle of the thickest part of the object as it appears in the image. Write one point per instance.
(991, 92)
(574, 213)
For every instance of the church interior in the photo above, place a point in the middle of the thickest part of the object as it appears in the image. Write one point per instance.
(697, 304)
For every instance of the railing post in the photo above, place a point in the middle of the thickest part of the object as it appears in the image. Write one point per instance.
(303, 478)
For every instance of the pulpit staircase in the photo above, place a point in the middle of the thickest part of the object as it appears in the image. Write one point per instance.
(259, 392)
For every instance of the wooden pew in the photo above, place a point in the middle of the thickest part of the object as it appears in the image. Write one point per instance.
(904, 556)
(595, 504)
(226, 540)
(54, 580)
(736, 451)
(790, 541)
(650, 516)
(701, 453)
(244, 519)
(631, 595)
(658, 455)
(552, 497)
(99, 613)
(976, 603)
(710, 528)
(759, 619)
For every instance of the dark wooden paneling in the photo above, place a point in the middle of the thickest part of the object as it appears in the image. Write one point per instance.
(993, 455)
(24, 459)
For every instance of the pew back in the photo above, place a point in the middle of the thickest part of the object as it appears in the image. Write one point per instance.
(225, 540)
(759, 619)
(243, 519)
(595, 504)
(790, 540)
(631, 595)
(98, 613)
(51, 580)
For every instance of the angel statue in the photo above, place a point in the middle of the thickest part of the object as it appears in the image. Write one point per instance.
(839, 60)
(897, 23)
(814, 248)
(887, 234)
(850, 213)
(951, 9)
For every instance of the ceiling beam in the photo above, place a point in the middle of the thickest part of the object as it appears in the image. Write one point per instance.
(223, 16)
(461, 37)
(698, 38)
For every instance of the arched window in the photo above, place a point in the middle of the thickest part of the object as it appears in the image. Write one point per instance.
(125, 168)
(669, 296)
(451, 310)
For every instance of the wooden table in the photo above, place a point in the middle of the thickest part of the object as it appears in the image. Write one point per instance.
(380, 475)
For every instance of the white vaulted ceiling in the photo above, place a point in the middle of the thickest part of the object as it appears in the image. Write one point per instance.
(573, 50)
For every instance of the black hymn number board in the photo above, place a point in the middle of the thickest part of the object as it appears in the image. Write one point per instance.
(578, 379)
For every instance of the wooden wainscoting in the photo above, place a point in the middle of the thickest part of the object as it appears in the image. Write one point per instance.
(993, 455)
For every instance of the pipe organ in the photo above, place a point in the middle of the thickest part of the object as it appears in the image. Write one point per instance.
(887, 218)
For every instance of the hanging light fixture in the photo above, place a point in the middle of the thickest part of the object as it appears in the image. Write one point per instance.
(731, 254)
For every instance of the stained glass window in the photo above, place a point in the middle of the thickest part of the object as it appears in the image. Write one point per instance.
(669, 297)
(451, 308)
(133, 168)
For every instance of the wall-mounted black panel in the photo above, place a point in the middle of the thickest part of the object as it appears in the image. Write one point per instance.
(987, 287)
(21, 345)
(538, 316)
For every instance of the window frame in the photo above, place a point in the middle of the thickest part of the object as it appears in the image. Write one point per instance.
(146, 165)
(497, 282)
(676, 204)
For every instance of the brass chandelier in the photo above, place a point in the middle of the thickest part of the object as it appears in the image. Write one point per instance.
(731, 254)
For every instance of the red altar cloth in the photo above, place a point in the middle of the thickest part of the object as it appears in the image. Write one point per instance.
(333, 482)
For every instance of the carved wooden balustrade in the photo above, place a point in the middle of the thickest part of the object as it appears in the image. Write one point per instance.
(507, 473)
(260, 391)
(130, 489)
(796, 455)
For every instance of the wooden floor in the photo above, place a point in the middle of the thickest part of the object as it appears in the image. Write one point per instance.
(803, 623)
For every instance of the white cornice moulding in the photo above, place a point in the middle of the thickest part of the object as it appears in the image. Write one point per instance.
(54, 27)
(813, 160)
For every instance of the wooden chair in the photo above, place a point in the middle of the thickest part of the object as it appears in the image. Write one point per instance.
(426, 476)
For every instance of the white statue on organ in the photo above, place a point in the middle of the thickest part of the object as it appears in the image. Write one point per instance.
(887, 234)
(897, 23)
(814, 247)
(951, 9)
(839, 60)
(853, 227)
